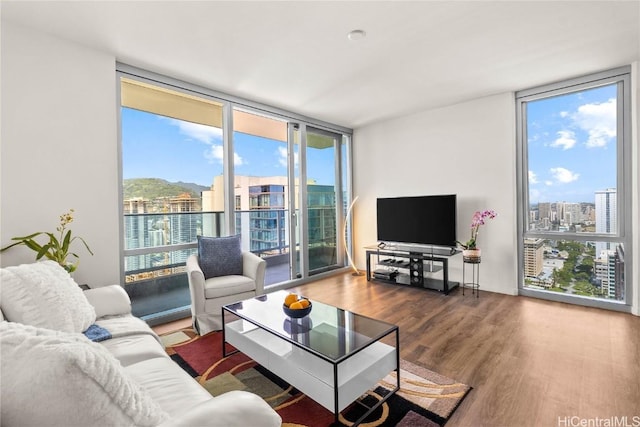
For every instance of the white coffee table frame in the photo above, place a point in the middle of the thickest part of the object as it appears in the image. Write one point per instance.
(333, 382)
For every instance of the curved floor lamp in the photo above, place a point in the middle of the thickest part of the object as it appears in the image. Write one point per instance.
(344, 236)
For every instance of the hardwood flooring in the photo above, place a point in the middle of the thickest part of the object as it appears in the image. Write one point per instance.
(530, 362)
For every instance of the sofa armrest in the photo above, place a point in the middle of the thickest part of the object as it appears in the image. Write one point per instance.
(231, 409)
(253, 266)
(110, 300)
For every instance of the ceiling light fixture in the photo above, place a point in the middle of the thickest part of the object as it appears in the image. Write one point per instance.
(356, 35)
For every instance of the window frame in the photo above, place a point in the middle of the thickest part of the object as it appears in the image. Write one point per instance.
(622, 77)
(228, 103)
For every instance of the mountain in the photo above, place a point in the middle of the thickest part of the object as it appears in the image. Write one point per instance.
(152, 188)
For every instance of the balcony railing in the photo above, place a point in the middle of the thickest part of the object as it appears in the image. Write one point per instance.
(157, 246)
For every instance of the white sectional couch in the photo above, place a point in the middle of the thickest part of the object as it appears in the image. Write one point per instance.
(51, 374)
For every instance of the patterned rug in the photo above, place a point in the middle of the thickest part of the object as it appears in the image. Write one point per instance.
(425, 399)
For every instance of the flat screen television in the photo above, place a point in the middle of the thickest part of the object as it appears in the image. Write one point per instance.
(421, 220)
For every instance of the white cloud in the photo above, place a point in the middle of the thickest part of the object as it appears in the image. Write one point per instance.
(566, 139)
(215, 155)
(533, 178)
(548, 183)
(564, 114)
(599, 121)
(202, 133)
(563, 176)
(209, 135)
(282, 157)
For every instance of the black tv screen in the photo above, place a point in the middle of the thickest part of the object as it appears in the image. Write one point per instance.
(423, 220)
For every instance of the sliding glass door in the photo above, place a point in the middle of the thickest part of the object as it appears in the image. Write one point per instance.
(196, 163)
(325, 203)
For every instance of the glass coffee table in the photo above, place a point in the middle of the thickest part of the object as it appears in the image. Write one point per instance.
(332, 355)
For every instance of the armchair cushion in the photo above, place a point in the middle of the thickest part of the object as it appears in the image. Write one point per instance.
(43, 294)
(220, 256)
(218, 287)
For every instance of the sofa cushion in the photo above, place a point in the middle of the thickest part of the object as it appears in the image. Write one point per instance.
(68, 380)
(43, 294)
(175, 391)
(110, 300)
(220, 256)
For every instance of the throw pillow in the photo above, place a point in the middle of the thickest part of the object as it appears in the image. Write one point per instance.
(43, 294)
(220, 256)
(58, 378)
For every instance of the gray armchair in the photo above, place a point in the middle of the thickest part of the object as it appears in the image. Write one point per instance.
(209, 295)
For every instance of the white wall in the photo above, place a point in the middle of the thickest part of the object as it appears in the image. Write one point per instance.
(467, 149)
(59, 148)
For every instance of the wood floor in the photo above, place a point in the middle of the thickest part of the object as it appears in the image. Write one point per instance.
(530, 362)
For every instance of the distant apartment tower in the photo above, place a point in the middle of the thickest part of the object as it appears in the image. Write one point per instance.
(609, 271)
(544, 210)
(572, 213)
(136, 231)
(606, 217)
(533, 257)
(184, 221)
(267, 227)
(321, 204)
(619, 273)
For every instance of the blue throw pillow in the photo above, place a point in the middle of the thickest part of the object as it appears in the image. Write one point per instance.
(220, 256)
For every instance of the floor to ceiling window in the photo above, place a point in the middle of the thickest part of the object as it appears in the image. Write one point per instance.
(574, 145)
(171, 153)
(195, 162)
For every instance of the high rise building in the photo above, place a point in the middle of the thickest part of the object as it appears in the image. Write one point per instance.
(533, 257)
(619, 273)
(261, 205)
(184, 222)
(544, 210)
(606, 218)
(572, 213)
(136, 231)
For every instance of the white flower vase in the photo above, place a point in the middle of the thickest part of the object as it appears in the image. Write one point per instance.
(471, 255)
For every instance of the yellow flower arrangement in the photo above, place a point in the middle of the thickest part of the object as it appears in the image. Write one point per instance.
(57, 248)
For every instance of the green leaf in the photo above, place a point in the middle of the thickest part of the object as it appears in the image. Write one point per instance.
(30, 236)
(67, 240)
(85, 244)
(33, 245)
(42, 251)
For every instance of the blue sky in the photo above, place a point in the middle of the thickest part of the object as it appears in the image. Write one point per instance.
(572, 145)
(159, 147)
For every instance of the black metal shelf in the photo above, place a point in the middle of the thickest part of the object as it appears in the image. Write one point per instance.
(411, 267)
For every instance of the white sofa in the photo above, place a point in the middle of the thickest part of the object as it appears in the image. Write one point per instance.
(53, 375)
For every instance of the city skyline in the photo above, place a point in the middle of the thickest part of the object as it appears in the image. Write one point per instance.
(572, 145)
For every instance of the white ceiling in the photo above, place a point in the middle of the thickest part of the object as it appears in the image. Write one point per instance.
(296, 56)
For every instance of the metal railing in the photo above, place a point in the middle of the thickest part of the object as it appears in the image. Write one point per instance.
(157, 246)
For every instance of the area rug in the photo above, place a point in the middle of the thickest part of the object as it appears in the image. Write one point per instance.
(425, 398)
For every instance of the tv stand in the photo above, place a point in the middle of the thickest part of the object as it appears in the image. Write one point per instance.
(407, 265)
